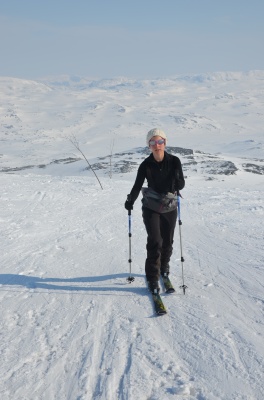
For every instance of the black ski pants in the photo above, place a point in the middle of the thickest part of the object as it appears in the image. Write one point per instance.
(160, 232)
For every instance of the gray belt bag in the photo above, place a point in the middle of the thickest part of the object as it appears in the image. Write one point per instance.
(159, 202)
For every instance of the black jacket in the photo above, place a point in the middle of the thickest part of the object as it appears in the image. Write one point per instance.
(165, 176)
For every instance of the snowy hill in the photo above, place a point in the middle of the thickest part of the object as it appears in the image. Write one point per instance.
(71, 326)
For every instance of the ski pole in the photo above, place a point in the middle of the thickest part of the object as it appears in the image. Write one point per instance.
(184, 287)
(130, 279)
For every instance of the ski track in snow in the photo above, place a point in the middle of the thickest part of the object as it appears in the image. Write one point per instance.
(71, 326)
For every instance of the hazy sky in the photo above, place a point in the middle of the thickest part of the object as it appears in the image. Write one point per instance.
(139, 38)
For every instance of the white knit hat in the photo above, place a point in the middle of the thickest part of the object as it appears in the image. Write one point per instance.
(155, 132)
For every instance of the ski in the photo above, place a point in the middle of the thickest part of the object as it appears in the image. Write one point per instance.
(168, 286)
(158, 304)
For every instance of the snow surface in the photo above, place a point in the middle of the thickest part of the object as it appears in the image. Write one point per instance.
(71, 325)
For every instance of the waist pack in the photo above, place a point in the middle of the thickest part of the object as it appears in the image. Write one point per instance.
(159, 202)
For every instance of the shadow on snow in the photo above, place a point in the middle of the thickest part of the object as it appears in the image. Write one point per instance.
(68, 284)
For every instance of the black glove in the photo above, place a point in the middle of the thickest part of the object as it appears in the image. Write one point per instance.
(129, 203)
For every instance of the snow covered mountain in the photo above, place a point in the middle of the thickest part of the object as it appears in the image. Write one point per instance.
(71, 326)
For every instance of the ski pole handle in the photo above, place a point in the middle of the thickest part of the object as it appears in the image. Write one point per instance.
(129, 222)
(179, 208)
(130, 279)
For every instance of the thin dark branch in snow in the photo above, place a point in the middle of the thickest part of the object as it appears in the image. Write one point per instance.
(76, 144)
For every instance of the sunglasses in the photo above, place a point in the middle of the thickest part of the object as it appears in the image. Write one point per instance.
(153, 142)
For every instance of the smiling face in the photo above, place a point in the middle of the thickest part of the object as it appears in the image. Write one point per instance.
(157, 146)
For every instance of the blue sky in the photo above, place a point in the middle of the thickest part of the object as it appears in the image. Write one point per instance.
(144, 39)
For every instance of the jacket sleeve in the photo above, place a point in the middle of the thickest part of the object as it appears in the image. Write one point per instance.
(141, 175)
(179, 177)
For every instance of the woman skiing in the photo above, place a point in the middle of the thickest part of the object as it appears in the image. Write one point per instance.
(165, 178)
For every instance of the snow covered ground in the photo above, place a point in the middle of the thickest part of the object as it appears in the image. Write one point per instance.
(71, 326)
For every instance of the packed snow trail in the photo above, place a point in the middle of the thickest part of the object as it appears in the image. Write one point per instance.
(73, 328)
